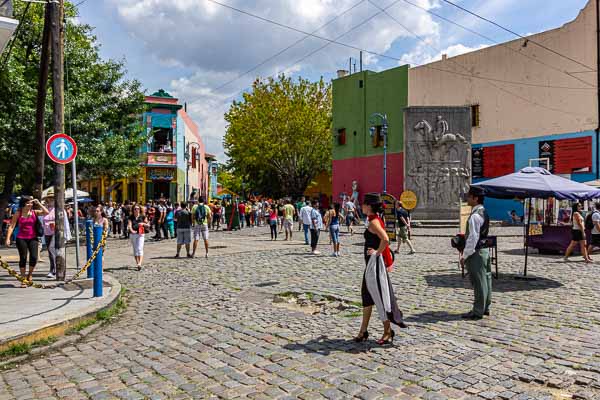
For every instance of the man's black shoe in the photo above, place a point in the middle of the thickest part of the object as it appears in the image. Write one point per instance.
(472, 316)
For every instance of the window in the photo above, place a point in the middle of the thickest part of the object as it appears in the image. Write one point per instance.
(475, 115)
(360, 83)
(341, 136)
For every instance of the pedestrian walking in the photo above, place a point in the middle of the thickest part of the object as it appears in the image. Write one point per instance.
(350, 212)
(403, 230)
(241, 213)
(376, 289)
(316, 224)
(332, 219)
(201, 217)
(301, 203)
(595, 222)
(137, 226)
(280, 215)
(117, 220)
(101, 219)
(126, 212)
(271, 212)
(577, 234)
(108, 210)
(305, 213)
(49, 228)
(170, 221)
(26, 217)
(184, 230)
(248, 214)
(288, 219)
(476, 258)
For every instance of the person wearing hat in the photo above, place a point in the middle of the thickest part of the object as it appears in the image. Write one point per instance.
(403, 231)
(475, 257)
(376, 285)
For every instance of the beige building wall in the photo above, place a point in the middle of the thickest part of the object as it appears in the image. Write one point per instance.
(526, 97)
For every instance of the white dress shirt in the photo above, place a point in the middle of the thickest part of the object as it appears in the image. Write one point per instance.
(475, 223)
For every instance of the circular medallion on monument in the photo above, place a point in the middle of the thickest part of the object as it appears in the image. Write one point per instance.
(408, 199)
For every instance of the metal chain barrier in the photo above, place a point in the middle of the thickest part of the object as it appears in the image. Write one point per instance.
(27, 282)
(92, 258)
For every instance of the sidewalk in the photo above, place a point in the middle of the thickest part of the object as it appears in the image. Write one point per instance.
(30, 314)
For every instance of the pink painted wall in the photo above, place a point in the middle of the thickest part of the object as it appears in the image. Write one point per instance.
(198, 177)
(368, 171)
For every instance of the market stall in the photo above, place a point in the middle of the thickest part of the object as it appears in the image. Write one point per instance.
(546, 196)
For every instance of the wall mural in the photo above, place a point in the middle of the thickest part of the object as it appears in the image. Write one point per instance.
(437, 159)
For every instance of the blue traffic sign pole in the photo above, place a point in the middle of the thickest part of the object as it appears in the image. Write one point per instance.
(88, 246)
(98, 262)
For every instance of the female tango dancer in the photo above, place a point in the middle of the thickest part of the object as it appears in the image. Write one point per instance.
(376, 286)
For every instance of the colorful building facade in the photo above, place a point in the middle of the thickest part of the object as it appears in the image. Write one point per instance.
(358, 155)
(172, 159)
(529, 106)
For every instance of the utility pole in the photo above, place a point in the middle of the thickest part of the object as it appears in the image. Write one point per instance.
(57, 34)
(40, 112)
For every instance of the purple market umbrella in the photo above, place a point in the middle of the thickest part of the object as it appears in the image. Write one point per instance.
(536, 182)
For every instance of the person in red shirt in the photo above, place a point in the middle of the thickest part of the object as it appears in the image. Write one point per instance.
(242, 213)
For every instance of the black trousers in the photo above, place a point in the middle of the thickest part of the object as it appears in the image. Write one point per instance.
(273, 225)
(116, 227)
(165, 229)
(27, 246)
(314, 238)
(157, 229)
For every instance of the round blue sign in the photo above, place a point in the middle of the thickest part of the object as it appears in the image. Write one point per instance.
(61, 148)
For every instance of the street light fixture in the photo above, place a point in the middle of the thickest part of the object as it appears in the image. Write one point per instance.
(384, 130)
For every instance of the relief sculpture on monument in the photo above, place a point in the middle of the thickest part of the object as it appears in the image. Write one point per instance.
(437, 159)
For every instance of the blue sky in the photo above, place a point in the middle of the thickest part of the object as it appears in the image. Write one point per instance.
(191, 47)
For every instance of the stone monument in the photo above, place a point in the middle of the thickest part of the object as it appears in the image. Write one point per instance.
(437, 154)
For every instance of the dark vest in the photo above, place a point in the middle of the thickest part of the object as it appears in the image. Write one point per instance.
(485, 228)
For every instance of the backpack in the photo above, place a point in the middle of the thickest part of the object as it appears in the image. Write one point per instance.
(589, 221)
(200, 213)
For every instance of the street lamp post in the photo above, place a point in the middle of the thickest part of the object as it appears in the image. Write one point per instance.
(384, 131)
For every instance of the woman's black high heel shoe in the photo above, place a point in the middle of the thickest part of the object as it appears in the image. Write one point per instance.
(363, 337)
(382, 342)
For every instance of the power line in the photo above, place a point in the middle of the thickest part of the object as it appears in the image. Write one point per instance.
(517, 34)
(505, 45)
(287, 48)
(335, 41)
(461, 66)
(300, 30)
(16, 34)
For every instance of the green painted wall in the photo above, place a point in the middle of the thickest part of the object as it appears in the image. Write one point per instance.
(383, 92)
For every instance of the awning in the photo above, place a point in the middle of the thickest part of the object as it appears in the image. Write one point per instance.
(113, 187)
(7, 27)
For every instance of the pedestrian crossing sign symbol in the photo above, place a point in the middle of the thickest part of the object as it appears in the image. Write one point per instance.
(61, 148)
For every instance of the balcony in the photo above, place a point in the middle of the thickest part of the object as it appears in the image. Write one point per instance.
(7, 23)
(161, 159)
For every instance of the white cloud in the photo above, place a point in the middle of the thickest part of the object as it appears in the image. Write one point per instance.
(216, 44)
(422, 54)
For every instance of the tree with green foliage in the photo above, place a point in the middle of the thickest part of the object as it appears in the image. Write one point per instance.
(102, 107)
(278, 136)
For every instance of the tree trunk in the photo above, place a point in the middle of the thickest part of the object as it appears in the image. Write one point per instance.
(9, 183)
(40, 113)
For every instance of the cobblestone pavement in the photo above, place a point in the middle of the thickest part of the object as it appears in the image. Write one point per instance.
(208, 328)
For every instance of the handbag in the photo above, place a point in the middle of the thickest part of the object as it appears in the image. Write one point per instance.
(38, 227)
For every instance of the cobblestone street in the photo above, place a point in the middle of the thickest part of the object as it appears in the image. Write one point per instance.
(207, 328)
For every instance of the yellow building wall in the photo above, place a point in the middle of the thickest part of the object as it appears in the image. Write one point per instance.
(320, 185)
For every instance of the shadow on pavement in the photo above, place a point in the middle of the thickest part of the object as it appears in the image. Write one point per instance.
(506, 283)
(433, 317)
(325, 346)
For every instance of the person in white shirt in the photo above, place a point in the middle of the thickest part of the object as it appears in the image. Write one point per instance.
(316, 224)
(477, 259)
(595, 241)
(306, 221)
(350, 210)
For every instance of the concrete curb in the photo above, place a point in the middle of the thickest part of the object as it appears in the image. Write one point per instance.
(58, 329)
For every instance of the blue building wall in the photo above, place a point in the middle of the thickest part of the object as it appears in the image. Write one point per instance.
(526, 149)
